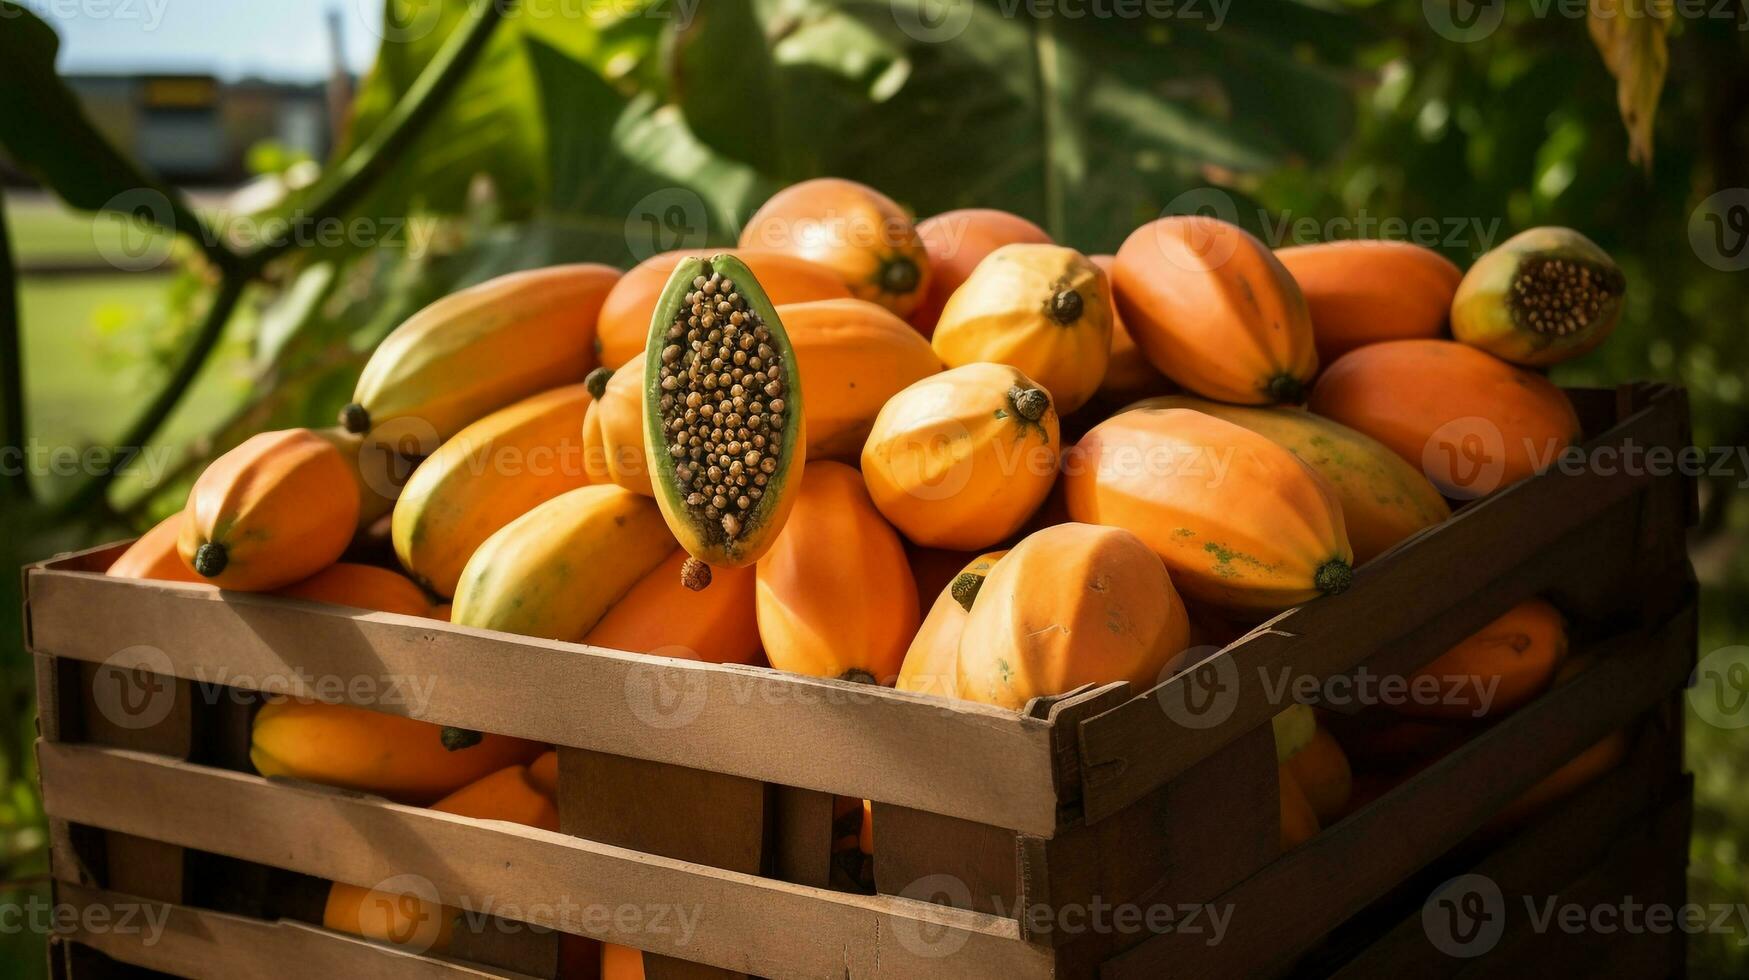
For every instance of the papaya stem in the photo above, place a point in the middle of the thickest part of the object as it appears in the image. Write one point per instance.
(210, 559)
(456, 739)
(965, 588)
(1286, 389)
(1334, 577)
(1029, 403)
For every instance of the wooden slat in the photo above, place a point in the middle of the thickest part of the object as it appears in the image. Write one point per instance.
(835, 737)
(201, 944)
(1360, 858)
(1130, 750)
(743, 923)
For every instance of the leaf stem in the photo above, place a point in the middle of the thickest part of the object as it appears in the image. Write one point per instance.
(352, 177)
(14, 480)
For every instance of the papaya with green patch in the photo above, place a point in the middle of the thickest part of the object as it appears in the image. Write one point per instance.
(724, 421)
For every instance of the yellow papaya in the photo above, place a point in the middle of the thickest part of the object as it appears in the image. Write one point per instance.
(155, 556)
(931, 664)
(852, 356)
(660, 615)
(363, 587)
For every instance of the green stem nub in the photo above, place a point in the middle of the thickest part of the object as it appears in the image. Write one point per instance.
(597, 380)
(1286, 389)
(1029, 403)
(856, 675)
(1067, 307)
(456, 739)
(695, 574)
(355, 419)
(1334, 577)
(210, 559)
(900, 276)
(964, 589)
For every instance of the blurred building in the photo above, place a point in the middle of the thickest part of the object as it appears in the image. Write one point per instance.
(196, 129)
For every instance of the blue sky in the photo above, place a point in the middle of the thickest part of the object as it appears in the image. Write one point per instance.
(278, 39)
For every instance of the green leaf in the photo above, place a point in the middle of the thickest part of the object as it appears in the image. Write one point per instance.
(1632, 36)
(46, 131)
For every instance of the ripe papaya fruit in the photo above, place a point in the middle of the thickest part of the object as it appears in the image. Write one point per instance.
(852, 356)
(1242, 523)
(278, 508)
(357, 748)
(625, 314)
(1471, 422)
(1299, 821)
(543, 772)
(1070, 605)
(1129, 375)
(931, 664)
(852, 228)
(724, 415)
(1216, 311)
(1369, 291)
(621, 962)
(1497, 669)
(484, 477)
(476, 351)
(154, 555)
(1384, 499)
(661, 616)
(834, 594)
(404, 919)
(962, 459)
(509, 794)
(956, 241)
(1323, 774)
(1040, 308)
(1545, 296)
(363, 587)
(380, 473)
(1573, 775)
(557, 569)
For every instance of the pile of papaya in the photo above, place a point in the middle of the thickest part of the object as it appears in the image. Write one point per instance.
(954, 456)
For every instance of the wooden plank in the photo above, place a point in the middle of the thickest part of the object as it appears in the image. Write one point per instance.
(1360, 858)
(1128, 751)
(842, 738)
(801, 836)
(200, 944)
(732, 920)
(952, 862)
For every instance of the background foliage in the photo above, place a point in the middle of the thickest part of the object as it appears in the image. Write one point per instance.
(650, 125)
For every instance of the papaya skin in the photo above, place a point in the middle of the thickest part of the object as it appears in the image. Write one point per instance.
(931, 664)
(478, 350)
(956, 242)
(960, 460)
(1244, 525)
(613, 432)
(853, 356)
(489, 474)
(1471, 422)
(661, 616)
(1214, 310)
(756, 526)
(556, 570)
(625, 315)
(1573, 775)
(1129, 375)
(509, 794)
(1070, 605)
(404, 920)
(1499, 668)
(1368, 291)
(356, 748)
(1544, 296)
(1043, 309)
(543, 772)
(362, 587)
(278, 508)
(621, 962)
(1323, 774)
(155, 556)
(834, 594)
(1383, 498)
(853, 229)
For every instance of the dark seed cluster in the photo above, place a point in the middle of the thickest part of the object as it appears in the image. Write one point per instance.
(1559, 297)
(723, 402)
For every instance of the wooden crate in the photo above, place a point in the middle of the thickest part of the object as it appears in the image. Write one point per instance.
(707, 789)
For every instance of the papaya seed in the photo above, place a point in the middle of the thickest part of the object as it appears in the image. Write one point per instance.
(695, 575)
(1558, 297)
